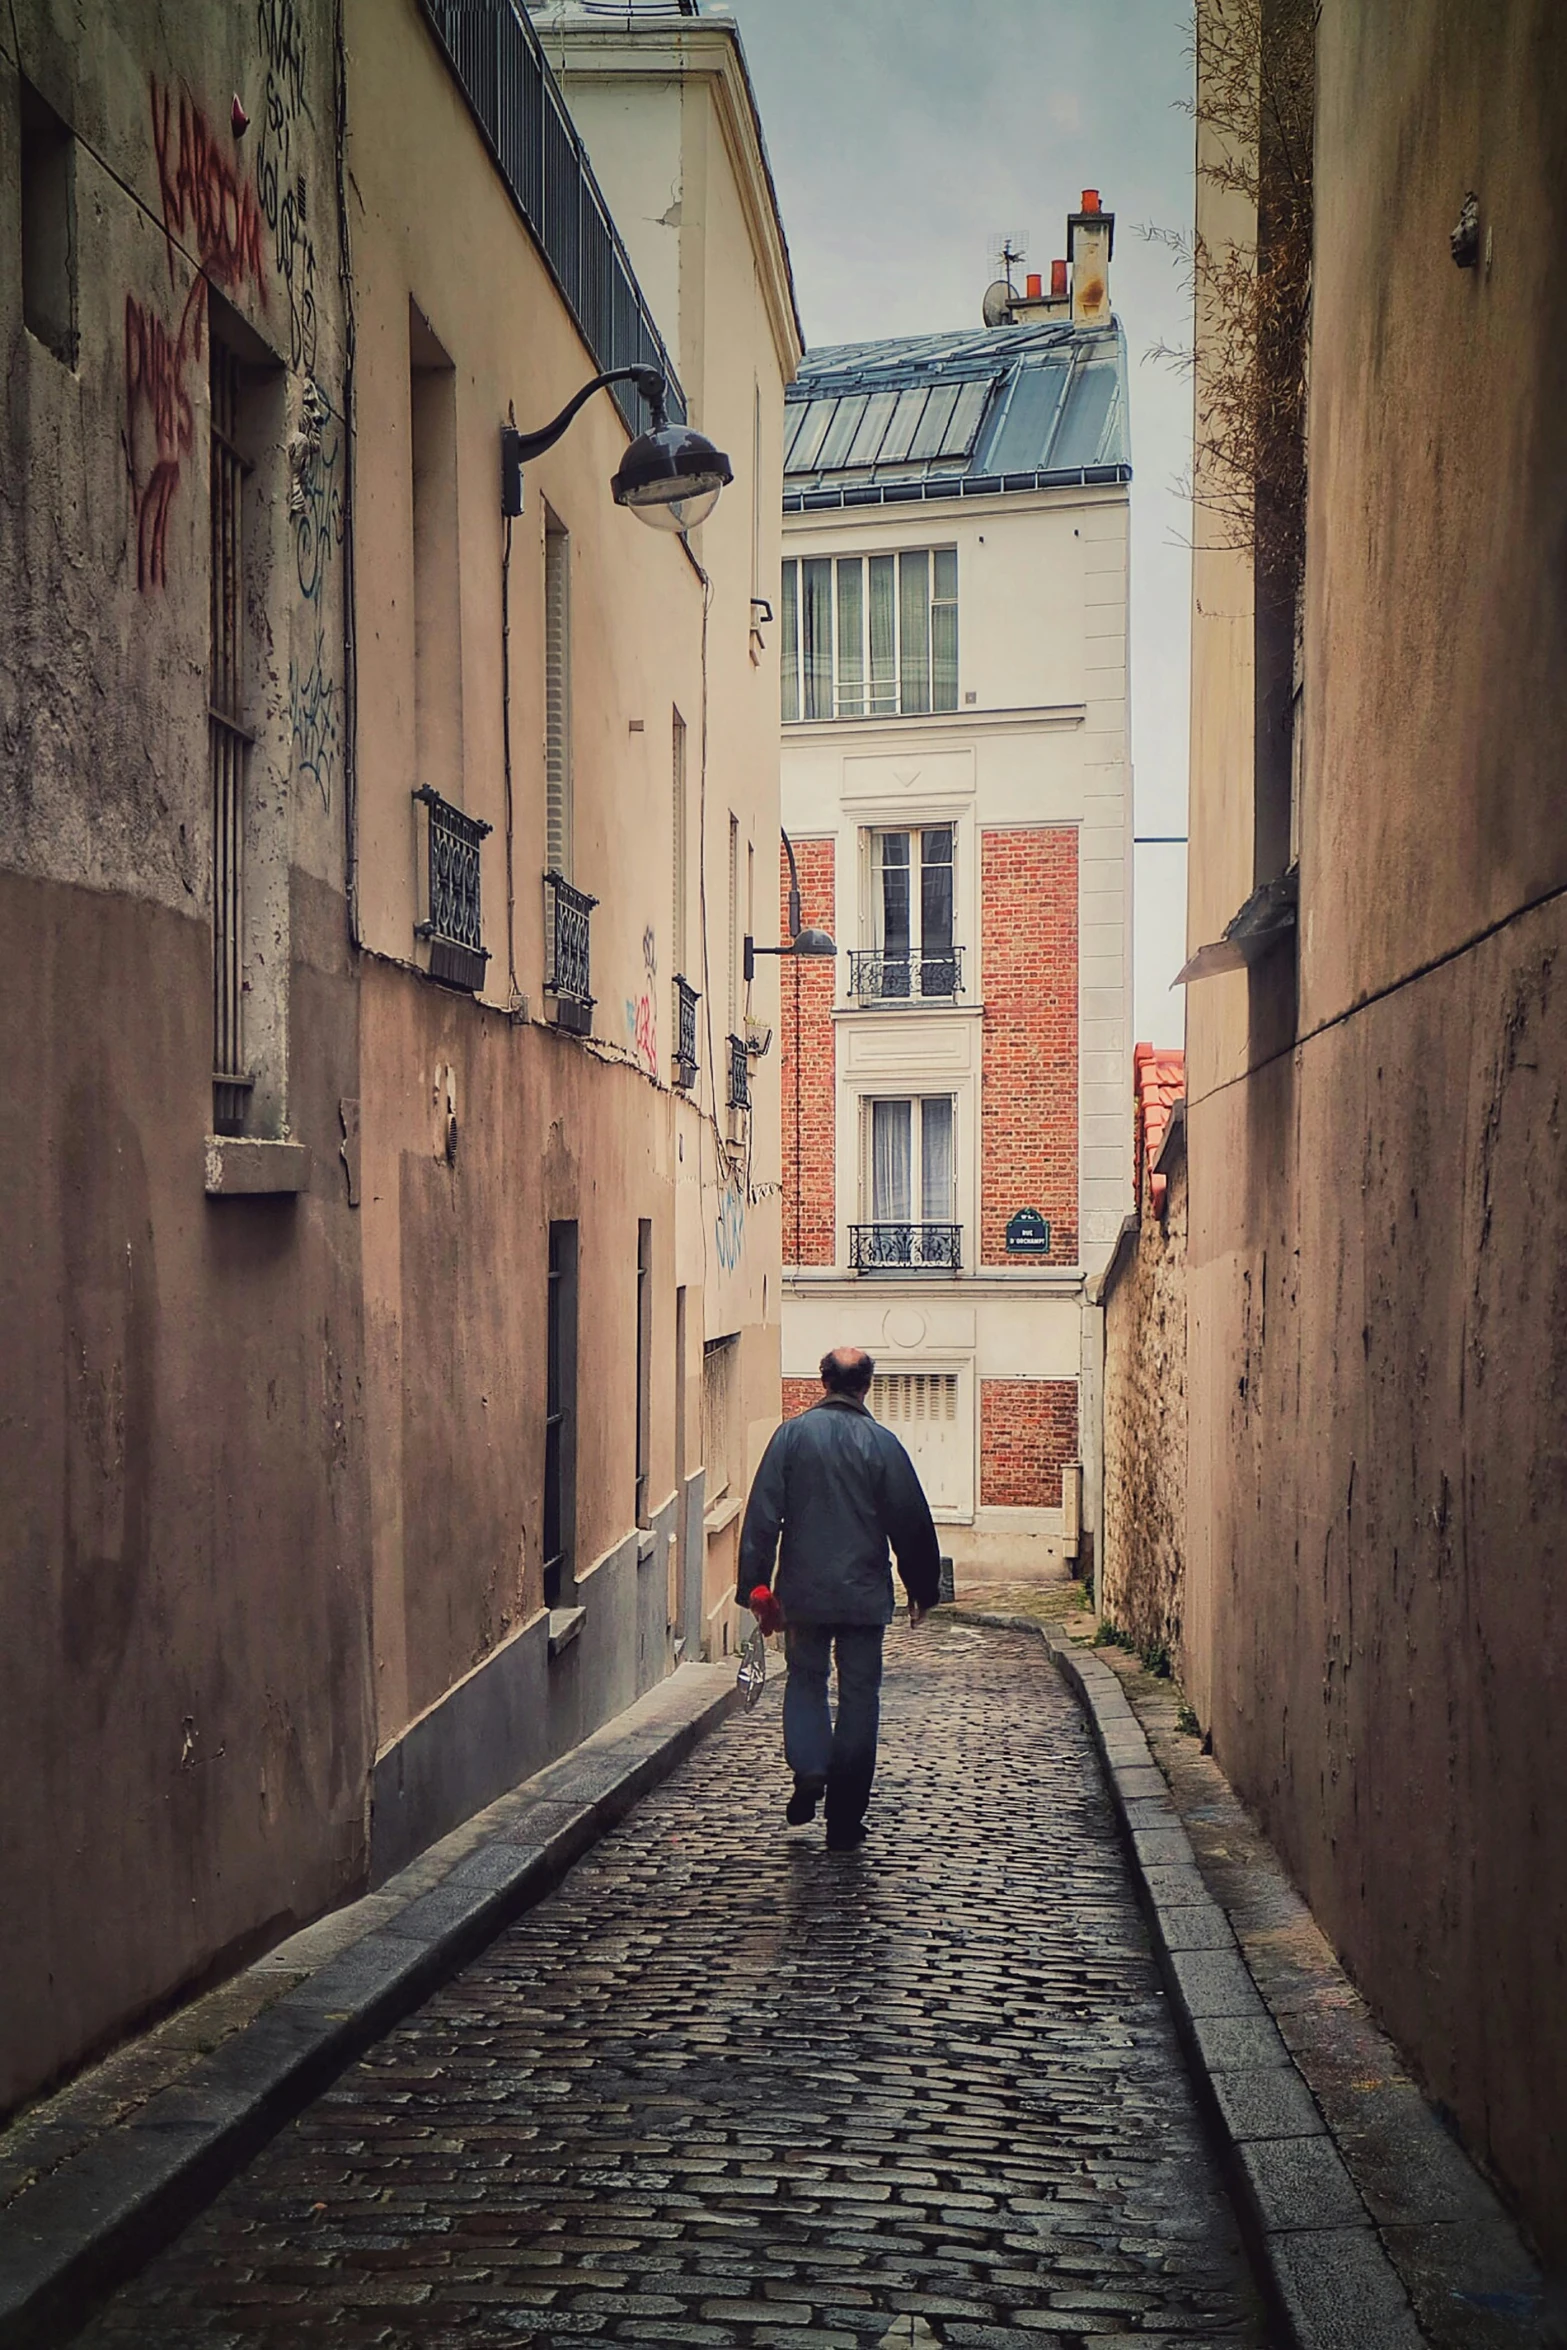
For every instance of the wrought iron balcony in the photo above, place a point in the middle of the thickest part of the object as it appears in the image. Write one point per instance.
(905, 1248)
(686, 1062)
(567, 968)
(451, 924)
(739, 1074)
(876, 977)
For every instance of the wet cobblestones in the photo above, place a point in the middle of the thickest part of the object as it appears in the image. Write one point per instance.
(724, 2088)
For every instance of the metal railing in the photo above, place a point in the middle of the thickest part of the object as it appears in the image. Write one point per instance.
(452, 925)
(739, 1074)
(904, 1248)
(876, 977)
(567, 964)
(686, 1062)
(495, 54)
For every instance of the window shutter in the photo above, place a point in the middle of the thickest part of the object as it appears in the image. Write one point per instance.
(557, 699)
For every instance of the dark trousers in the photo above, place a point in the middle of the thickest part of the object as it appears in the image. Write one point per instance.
(844, 1754)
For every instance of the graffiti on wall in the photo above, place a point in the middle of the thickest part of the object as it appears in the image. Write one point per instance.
(316, 505)
(206, 205)
(280, 182)
(641, 1018)
(729, 1228)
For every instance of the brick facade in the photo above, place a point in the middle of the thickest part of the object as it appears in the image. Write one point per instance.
(807, 1067)
(1027, 1430)
(1028, 1106)
(799, 1395)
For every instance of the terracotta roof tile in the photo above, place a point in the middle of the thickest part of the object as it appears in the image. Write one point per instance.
(1158, 1083)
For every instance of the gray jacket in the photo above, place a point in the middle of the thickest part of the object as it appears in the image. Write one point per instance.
(840, 1487)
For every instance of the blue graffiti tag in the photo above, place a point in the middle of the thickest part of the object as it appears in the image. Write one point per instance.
(730, 1229)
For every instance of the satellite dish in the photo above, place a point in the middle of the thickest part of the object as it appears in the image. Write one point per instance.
(996, 309)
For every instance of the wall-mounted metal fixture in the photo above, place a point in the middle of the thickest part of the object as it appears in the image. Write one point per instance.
(801, 942)
(1465, 237)
(670, 477)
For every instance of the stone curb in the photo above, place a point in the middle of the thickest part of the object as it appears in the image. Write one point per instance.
(68, 2241)
(1316, 2248)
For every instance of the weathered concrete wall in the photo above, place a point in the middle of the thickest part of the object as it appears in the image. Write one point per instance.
(1378, 1222)
(1145, 1470)
(184, 1655)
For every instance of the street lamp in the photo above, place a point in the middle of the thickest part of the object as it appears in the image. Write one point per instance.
(670, 476)
(801, 942)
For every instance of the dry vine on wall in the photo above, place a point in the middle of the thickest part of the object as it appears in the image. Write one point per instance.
(1255, 82)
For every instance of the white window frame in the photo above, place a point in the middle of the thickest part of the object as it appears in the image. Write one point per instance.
(899, 699)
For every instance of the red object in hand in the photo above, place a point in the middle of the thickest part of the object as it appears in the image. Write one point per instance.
(765, 1608)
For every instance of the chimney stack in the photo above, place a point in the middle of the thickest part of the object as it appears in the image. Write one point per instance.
(1090, 241)
(1035, 282)
(1058, 284)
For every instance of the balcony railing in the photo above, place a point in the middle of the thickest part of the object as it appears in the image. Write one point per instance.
(905, 1248)
(567, 968)
(686, 1062)
(876, 977)
(739, 1074)
(457, 951)
(500, 66)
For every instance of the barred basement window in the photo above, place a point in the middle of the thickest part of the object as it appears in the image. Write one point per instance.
(870, 636)
(451, 919)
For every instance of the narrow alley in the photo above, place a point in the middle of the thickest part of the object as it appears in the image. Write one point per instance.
(724, 2088)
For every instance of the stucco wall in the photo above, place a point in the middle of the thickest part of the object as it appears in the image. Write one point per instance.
(1145, 1467)
(1378, 1221)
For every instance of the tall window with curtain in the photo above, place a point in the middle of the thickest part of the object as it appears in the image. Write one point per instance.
(870, 636)
(911, 912)
(909, 1202)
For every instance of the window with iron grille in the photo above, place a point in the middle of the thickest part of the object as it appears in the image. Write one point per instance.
(686, 1063)
(911, 956)
(567, 963)
(870, 636)
(228, 746)
(452, 921)
(560, 1416)
(739, 1074)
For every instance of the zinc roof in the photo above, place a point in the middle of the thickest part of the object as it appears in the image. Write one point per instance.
(1012, 407)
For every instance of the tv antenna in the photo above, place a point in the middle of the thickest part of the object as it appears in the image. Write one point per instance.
(1008, 250)
(1010, 247)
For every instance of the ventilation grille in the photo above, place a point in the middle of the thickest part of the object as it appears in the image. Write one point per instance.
(905, 1398)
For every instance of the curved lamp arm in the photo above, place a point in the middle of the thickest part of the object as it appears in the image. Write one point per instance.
(801, 942)
(648, 380)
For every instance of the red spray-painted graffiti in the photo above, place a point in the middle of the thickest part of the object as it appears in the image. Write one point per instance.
(207, 206)
(203, 197)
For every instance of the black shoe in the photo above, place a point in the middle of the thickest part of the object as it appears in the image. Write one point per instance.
(801, 1805)
(846, 1835)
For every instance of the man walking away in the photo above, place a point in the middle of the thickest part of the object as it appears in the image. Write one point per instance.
(839, 1487)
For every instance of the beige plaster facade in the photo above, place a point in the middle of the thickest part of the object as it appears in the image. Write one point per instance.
(273, 1440)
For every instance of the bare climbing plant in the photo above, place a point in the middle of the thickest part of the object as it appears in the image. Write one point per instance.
(1255, 81)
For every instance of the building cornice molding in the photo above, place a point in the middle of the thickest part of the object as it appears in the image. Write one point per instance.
(909, 732)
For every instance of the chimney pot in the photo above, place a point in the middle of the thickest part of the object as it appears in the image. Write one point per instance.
(1090, 199)
(1058, 281)
(1035, 285)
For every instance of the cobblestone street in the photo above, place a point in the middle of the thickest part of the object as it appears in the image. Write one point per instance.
(724, 2088)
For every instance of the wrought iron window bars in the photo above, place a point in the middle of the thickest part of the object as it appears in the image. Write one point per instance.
(452, 925)
(739, 1074)
(876, 977)
(686, 1062)
(568, 969)
(904, 1248)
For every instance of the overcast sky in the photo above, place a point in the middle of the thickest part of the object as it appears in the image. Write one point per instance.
(905, 136)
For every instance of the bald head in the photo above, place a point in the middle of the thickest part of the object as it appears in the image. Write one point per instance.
(847, 1370)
